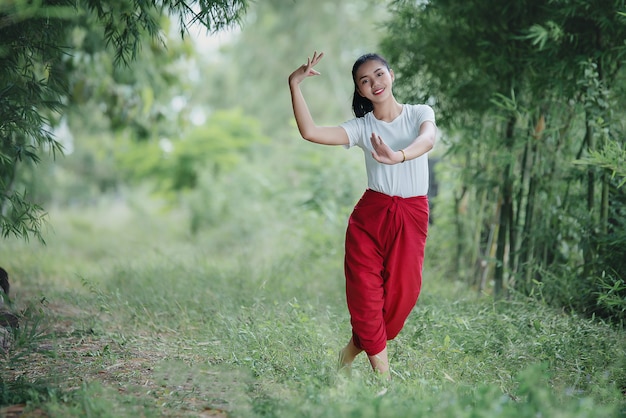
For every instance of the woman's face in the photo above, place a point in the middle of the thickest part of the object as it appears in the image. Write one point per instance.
(374, 80)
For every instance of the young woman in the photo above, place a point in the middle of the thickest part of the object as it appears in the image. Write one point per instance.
(386, 234)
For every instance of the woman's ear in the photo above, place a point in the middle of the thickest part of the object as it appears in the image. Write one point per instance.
(393, 76)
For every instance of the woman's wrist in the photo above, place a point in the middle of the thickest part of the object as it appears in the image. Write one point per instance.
(402, 156)
(294, 80)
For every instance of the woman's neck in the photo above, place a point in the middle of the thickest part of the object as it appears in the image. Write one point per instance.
(387, 111)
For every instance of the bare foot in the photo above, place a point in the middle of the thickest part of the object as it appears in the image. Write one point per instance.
(380, 364)
(343, 366)
(347, 355)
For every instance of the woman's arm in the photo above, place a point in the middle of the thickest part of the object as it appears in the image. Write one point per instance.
(327, 135)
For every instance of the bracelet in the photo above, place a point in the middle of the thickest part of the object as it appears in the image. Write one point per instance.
(403, 156)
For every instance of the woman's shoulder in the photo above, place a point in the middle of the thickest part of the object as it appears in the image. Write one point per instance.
(417, 106)
(420, 111)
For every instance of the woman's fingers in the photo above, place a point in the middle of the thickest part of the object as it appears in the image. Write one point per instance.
(317, 57)
(311, 62)
(381, 151)
(306, 69)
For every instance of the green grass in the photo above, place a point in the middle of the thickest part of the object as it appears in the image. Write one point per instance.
(128, 315)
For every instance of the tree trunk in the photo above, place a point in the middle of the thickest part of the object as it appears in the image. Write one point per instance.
(506, 227)
(525, 174)
(588, 250)
(528, 239)
(460, 230)
(604, 204)
(500, 249)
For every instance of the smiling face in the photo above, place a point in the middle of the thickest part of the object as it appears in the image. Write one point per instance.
(374, 80)
(372, 83)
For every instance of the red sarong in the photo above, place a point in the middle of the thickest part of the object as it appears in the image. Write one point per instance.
(385, 242)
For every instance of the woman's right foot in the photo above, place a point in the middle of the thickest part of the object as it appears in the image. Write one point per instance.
(343, 365)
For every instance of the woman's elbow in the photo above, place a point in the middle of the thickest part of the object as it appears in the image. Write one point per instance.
(307, 136)
(432, 142)
(311, 135)
(429, 142)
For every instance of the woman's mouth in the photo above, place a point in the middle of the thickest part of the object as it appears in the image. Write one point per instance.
(377, 92)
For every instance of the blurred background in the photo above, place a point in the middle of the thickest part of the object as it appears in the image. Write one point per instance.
(157, 116)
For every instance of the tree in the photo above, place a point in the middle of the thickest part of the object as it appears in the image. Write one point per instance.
(481, 71)
(34, 90)
(524, 89)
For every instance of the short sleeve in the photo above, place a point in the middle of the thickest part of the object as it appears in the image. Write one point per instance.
(424, 113)
(354, 129)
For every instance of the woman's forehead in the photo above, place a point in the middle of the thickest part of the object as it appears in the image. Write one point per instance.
(370, 67)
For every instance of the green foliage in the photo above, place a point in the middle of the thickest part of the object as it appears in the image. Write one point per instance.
(21, 218)
(232, 302)
(253, 204)
(611, 296)
(176, 164)
(612, 157)
(178, 326)
(251, 71)
(35, 80)
(135, 100)
(31, 336)
(607, 284)
(126, 23)
(121, 119)
(30, 95)
(530, 92)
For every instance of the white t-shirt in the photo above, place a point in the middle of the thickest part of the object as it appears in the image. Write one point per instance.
(407, 179)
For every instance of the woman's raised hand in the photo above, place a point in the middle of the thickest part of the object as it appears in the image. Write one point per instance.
(306, 70)
(383, 153)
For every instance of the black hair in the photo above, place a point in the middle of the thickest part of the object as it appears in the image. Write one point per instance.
(360, 105)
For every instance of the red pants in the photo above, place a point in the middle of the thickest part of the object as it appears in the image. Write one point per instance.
(385, 243)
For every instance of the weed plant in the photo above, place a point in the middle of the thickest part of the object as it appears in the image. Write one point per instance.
(142, 318)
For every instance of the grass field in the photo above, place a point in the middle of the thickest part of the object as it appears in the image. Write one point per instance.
(126, 314)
